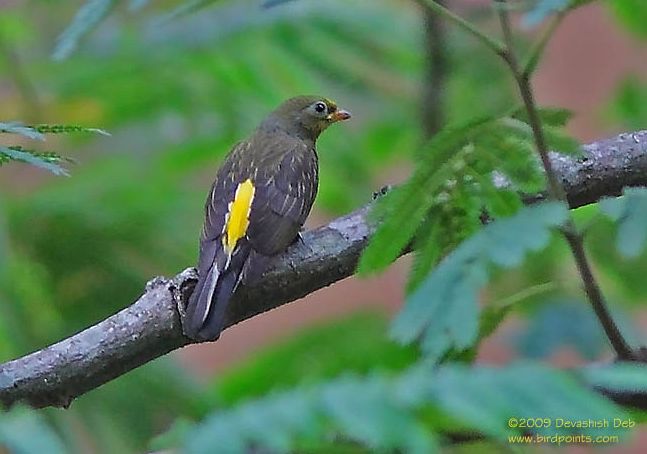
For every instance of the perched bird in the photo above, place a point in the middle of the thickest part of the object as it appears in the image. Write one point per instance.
(258, 202)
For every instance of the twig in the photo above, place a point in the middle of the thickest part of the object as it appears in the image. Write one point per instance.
(437, 61)
(556, 192)
(495, 45)
(538, 49)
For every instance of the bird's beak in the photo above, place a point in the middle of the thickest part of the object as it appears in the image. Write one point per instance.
(339, 115)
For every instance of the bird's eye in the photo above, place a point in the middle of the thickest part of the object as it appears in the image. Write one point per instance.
(320, 107)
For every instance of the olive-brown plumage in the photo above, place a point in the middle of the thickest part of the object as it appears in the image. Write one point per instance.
(262, 195)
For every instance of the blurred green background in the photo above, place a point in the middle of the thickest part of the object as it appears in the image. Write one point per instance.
(176, 93)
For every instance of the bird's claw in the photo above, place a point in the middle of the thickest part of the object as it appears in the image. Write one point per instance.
(382, 191)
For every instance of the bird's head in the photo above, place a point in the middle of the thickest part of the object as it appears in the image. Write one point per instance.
(307, 116)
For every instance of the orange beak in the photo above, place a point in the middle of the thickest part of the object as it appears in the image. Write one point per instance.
(339, 115)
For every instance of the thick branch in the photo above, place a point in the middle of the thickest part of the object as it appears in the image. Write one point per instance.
(150, 327)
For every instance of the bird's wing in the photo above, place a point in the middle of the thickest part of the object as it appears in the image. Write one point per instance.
(222, 193)
(284, 174)
(284, 196)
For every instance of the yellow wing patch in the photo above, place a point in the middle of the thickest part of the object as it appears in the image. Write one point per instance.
(237, 218)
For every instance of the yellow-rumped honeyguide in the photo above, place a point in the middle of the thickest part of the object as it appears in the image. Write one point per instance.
(259, 201)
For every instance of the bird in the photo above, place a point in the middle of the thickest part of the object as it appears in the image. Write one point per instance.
(257, 205)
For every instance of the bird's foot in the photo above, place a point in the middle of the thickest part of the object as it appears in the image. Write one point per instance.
(382, 191)
(300, 242)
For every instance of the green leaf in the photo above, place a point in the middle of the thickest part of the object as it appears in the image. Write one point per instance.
(486, 398)
(173, 436)
(629, 105)
(273, 3)
(25, 431)
(495, 313)
(370, 413)
(632, 13)
(545, 8)
(403, 209)
(15, 127)
(427, 250)
(317, 354)
(560, 142)
(389, 412)
(443, 312)
(136, 5)
(499, 202)
(67, 129)
(399, 214)
(542, 10)
(514, 157)
(556, 139)
(33, 158)
(630, 212)
(619, 377)
(552, 329)
(187, 8)
(551, 116)
(87, 18)
(554, 116)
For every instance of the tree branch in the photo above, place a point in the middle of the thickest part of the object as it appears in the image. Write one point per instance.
(151, 326)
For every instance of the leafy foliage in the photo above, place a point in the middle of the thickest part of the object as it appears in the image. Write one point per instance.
(47, 161)
(128, 214)
(621, 377)
(543, 9)
(624, 278)
(25, 431)
(633, 13)
(454, 181)
(630, 211)
(43, 159)
(443, 311)
(402, 210)
(384, 412)
(317, 354)
(88, 16)
(15, 127)
(189, 7)
(630, 103)
(551, 329)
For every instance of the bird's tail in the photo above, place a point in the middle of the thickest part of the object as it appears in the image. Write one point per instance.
(205, 313)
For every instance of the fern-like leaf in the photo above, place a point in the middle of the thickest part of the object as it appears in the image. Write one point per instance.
(187, 8)
(15, 127)
(386, 412)
(551, 116)
(630, 212)
(47, 161)
(401, 212)
(273, 3)
(67, 129)
(546, 8)
(87, 18)
(443, 312)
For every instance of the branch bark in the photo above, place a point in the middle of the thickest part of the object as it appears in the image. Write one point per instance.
(151, 326)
